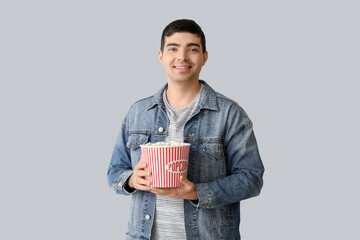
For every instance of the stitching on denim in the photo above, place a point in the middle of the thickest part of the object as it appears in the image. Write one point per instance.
(205, 140)
(124, 125)
(238, 132)
(136, 236)
(209, 150)
(243, 113)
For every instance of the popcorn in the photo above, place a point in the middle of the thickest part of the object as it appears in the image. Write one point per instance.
(171, 144)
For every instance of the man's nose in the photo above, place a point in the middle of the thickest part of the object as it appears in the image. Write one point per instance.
(182, 55)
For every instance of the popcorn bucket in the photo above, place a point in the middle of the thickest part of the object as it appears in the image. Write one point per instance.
(166, 164)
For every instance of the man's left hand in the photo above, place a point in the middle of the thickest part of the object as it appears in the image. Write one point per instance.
(187, 191)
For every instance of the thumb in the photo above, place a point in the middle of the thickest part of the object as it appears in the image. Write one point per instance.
(184, 180)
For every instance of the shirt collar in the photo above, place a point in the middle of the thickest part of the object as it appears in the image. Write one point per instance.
(208, 100)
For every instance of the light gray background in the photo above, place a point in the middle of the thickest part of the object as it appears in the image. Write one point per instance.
(71, 69)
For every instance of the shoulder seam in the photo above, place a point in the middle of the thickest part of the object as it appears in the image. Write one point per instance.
(219, 95)
(143, 99)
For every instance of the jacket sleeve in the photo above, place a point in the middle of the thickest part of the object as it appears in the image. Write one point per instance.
(120, 168)
(244, 168)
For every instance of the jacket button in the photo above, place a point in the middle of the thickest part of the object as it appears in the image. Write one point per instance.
(161, 129)
(147, 217)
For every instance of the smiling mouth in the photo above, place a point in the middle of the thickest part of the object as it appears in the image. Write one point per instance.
(182, 67)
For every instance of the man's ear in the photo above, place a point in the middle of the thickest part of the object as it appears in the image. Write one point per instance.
(161, 57)
(205, 57)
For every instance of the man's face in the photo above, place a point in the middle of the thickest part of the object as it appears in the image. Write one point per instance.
(182, 57)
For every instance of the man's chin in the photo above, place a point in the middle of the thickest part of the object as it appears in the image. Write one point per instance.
(184, 79)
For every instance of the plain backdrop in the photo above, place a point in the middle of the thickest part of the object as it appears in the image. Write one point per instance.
(70, 70)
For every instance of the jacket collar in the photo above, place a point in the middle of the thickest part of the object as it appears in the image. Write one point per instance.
(208, 100)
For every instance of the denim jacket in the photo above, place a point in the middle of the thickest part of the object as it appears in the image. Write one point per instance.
(224, 164)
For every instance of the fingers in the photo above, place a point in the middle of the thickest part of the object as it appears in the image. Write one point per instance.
(140, 171)
(137, 179)
(141, 184)
(140, 165)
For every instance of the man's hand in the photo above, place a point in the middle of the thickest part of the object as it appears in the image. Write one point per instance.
(188, 191)
(137, 179)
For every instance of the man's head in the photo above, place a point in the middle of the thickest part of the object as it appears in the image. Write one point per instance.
(183, 25)
(183, 52)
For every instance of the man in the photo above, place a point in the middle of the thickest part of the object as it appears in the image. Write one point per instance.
(224, 163)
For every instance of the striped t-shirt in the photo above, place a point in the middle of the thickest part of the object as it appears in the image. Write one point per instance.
(169, 212)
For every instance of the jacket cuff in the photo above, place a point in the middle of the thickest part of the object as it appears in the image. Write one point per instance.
(120, 184)
(205, 194)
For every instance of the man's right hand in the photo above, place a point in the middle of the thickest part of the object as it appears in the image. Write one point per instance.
(137, 179)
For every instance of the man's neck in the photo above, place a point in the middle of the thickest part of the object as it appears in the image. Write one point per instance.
(181, 94)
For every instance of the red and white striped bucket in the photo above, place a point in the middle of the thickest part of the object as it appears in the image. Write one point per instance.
(166, 164)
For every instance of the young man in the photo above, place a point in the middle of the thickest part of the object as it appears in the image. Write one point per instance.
(224, 163)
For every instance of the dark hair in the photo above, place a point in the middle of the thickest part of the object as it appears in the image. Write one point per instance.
(183, 25)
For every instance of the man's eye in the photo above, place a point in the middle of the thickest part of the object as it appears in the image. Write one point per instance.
(172, 49)
(193, 50)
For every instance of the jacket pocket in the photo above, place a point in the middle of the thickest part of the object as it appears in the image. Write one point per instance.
(222, 222)
(135, 140)
(214, 163)
(133, 143)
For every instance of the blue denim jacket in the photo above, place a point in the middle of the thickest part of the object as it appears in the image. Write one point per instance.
(224, 164)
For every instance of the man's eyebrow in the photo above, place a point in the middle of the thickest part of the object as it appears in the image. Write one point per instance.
(193, 45)
(172, 44)
(178, 45)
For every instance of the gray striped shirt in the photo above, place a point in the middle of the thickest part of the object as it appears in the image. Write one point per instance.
(169, 212)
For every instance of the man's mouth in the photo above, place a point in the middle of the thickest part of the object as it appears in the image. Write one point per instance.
(182, 68)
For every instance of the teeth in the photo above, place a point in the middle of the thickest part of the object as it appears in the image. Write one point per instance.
(182, 67)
